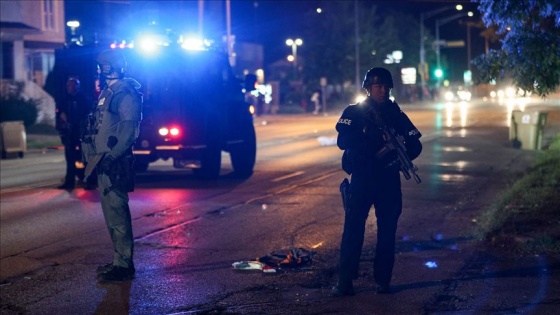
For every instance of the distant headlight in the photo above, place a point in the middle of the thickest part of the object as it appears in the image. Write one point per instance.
(449, 96)
(464, 95)
(510, 92)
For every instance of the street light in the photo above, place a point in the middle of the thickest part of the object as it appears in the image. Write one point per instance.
(73, 25)
(294, 44)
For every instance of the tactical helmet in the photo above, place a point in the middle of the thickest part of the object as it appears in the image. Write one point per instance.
(110, 60)
(378, 76)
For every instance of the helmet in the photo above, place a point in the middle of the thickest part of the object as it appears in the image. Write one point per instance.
(378, 76)
(110, 60)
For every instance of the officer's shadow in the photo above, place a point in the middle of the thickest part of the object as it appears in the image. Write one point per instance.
(117, 298)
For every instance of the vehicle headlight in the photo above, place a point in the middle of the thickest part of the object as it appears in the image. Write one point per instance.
(510, 92)
(464, 95)
(449, 96)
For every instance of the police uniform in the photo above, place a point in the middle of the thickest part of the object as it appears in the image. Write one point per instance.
(374, 181)
(76, 110)
(114, 129)
(117, 104)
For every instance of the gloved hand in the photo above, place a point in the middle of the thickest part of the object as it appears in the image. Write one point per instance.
(106, 164)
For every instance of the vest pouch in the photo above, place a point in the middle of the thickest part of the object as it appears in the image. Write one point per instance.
(122, 174)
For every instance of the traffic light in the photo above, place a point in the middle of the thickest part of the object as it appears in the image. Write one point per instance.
(438, 73)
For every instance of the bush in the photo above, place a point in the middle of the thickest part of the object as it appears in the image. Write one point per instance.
(19, 109)
(41, 129)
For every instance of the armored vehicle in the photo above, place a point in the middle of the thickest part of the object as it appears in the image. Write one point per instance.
(194, 107)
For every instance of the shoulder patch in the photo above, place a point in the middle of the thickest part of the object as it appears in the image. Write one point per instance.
(345, 121)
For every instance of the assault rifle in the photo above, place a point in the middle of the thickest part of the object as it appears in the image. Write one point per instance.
(396, 142)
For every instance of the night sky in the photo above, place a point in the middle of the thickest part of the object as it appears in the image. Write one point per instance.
(265, 22)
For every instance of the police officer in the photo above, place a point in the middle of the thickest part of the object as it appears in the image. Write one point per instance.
(112, 131)
(375, 179)
(71, 118)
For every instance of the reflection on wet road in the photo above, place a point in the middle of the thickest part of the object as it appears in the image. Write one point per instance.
(189, 232)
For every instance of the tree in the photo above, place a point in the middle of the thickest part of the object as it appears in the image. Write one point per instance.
(13, 107)
(530, 51)
(330, 41)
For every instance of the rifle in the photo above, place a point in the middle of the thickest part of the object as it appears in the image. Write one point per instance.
(395, 142)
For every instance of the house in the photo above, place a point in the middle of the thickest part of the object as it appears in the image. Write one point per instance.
(30, 31)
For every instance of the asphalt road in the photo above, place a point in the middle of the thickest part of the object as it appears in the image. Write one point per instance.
(188, 233)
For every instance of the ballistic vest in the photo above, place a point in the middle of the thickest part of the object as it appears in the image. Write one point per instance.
(119, 102)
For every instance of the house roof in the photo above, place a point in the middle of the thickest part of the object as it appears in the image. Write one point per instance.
(17, 28)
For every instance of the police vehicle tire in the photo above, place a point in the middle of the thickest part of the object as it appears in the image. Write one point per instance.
(243, 155)
(209, 164)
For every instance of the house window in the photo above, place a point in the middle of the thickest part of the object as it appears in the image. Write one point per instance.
(48, 15)
(7, 61)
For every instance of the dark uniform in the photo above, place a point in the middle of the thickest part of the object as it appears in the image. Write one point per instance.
(375, 181)
(113, 131)
(71, 119)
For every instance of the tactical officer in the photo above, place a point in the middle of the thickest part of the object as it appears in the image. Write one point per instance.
(375, 178)
(114, 126)
(71, 118)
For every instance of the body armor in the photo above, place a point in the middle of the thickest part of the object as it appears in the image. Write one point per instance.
(120, 102)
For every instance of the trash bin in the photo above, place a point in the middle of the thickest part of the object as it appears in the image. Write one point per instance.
(526, 129)
(13, 139)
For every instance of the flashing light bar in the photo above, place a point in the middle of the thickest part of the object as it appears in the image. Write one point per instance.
(151, 43)
(193, 43)
(122, 45)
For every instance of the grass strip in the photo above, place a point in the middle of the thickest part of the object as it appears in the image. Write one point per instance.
(526, 218)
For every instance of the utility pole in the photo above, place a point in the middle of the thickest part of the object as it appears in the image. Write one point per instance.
(228, 34)
(201, 18)
(424, 16)
(357, 46)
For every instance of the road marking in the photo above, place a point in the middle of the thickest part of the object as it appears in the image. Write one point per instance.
(28, 187)
(281, 178)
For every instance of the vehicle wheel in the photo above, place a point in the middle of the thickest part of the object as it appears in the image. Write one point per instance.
(140, 165)
(21, 154)
(243, 155)
(210, 164)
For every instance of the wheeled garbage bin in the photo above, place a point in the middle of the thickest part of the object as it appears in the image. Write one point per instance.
(13, 139)
(526, 129)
